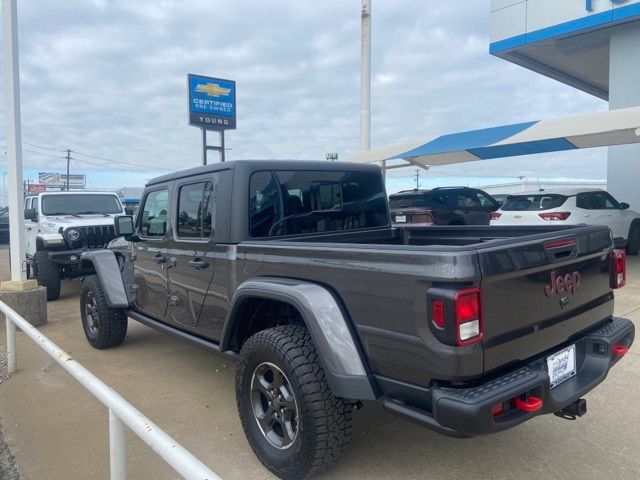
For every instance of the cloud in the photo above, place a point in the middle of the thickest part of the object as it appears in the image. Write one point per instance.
(109, 78)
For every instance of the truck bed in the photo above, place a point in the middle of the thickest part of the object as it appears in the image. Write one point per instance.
(384, 277)
(441, 236)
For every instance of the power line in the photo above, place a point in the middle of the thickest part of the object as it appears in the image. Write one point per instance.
(118, 161)
(44, 148)
(110, 160)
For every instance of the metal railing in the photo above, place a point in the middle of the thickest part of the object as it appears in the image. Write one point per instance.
(121, 412)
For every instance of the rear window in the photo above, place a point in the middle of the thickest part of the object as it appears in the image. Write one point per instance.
(407, 201)
(299, 202)
(533, 202)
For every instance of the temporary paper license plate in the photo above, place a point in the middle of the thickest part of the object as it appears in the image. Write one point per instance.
(561, 366)
(401, 218)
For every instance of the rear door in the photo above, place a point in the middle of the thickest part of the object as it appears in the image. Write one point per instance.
(526, 310)
(152, 252)
(192, 253)
(470, 208)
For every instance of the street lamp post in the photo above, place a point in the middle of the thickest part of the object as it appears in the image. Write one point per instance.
(14, 138)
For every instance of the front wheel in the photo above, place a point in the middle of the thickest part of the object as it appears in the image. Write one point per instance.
(104, 326)
(48, 274)
(293, 422)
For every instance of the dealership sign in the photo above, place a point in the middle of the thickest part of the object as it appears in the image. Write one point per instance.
(212, 103)
(60, 180)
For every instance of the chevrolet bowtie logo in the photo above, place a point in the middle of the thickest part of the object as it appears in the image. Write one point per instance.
(213, 90)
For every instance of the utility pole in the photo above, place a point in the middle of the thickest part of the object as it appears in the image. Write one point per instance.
(417, 179)
(68, 160)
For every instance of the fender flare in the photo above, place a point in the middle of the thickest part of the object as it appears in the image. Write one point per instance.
(107, 269)
(338, 350)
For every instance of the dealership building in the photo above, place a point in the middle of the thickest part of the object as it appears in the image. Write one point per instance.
(591, 45)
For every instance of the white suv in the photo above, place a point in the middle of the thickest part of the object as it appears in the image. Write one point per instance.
(573, 207)
(60, 226)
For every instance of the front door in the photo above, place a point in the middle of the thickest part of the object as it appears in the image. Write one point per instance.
(192, 252)
(152, 253)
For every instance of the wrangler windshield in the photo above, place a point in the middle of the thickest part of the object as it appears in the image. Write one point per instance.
(80, 204)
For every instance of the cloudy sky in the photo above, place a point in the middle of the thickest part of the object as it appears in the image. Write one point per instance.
(107, 78)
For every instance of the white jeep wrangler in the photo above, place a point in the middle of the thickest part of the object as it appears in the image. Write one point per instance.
(60, 226)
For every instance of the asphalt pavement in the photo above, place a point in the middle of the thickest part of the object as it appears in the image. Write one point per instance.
(57, 431)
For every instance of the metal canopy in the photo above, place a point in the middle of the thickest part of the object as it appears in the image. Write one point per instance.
(601, 129)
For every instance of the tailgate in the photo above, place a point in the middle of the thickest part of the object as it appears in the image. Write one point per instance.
(526, 309)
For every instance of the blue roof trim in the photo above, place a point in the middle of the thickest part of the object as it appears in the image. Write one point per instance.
(585, 23)
(622, 13)
(508, 44)
(595, 20)
(527, 148)
(474, 139)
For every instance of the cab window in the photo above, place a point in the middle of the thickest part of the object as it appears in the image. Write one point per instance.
(153, 214)
(195, 211)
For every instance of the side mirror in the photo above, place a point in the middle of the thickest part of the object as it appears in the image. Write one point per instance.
(124, 227)
(128, 211)
(30, 214)
(624, 206)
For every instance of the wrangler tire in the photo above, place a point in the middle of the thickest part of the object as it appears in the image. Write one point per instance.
(47, 274)
(317, 432)
(104, 326)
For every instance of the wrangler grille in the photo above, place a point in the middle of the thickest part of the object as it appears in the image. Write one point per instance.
(92, 237)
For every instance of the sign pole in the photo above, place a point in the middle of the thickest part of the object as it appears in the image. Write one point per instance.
(204, 146)
(14, 138)
(222, 150)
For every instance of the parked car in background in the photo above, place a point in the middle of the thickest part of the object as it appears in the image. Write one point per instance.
(442, 206)
(4, 225)
(60, 226)
(573, 207)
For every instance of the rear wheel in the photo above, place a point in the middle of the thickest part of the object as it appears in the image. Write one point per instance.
(104, 326)
(633, 245)
(294, 424)
(48, 274)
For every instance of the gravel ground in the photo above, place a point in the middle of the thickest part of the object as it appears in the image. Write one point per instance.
(8, 467)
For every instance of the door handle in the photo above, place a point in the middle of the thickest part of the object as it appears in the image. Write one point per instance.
(159, 258)
(198, 263)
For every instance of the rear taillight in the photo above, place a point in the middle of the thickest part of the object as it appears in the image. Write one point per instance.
(495, 215)
(554, 216)
(618, 269)
(422, 217)
(468, 315)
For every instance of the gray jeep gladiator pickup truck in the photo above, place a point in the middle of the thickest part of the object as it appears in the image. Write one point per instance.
(294, 268)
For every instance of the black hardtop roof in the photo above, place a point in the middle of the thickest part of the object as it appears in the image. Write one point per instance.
(258, 165)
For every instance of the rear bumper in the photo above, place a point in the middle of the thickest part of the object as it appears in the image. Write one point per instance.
(467, 412)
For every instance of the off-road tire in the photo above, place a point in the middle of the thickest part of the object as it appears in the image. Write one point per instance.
(633, 245)
(47, 274)
(111, 328)
(324, 420)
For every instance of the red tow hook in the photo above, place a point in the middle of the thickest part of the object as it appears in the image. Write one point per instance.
(619, 350)
(532, 404)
